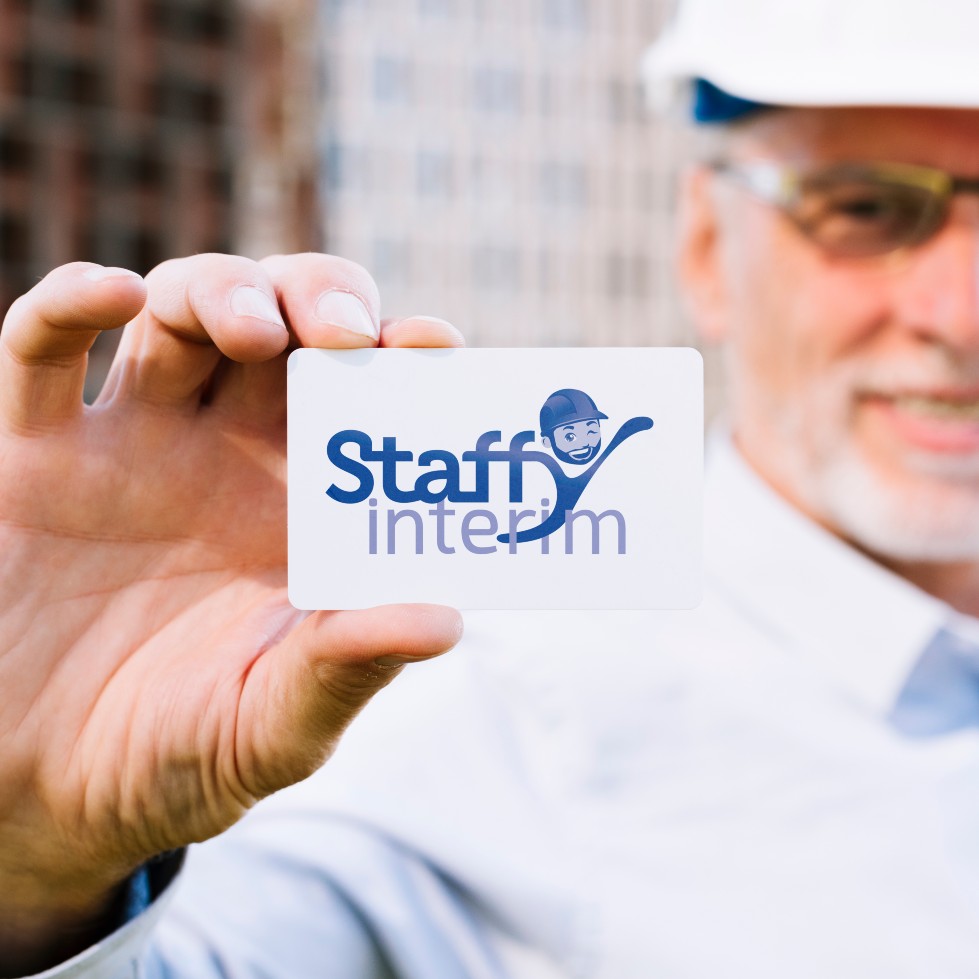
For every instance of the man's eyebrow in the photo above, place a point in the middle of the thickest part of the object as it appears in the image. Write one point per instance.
(561, 428)
(591, 421)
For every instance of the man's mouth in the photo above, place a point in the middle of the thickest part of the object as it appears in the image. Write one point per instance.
(580, 453)
(939, 421)
(929, 406)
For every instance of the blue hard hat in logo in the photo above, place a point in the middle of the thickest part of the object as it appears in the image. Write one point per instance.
(565, 407)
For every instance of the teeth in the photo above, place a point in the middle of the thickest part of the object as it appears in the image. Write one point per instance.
(939, 407)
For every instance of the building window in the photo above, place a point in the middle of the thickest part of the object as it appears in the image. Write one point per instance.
(616, 97)
(326, 79)
(545, 272)
(347, 167)
(436, 8)
(189, 21)
(132, 248)
(563, 184)
(84, 243)
(434, 174)
(645, 190)
(220, 182)
(146, 250)
(61, 80)
(565, 14)
(188, 101)
(496, 268)
(615, 274)
(392, 79)
(16, 152)
(197, 102)
(391, 261)
(140, 167)
(144, 167)
(627, 275)
(332, 7)
(497, 90)
(490, 180)
(74, 8)
(545, 95)
(625, 101)
(84, 163)
(15, 239)
(641, 268)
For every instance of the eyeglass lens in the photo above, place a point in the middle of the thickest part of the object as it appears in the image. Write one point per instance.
(853, 216)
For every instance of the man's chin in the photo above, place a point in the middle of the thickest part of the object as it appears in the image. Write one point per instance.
(924, 513)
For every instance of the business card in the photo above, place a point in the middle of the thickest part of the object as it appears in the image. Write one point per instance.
(496, 479)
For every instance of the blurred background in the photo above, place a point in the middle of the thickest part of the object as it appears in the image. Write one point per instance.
(489, 161)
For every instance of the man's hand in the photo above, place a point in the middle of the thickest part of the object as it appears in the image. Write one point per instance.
(155, 680)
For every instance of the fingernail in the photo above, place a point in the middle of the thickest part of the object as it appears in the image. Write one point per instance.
(344, 310)
(442, 324)
(252, 301)
(99, 272)
(390, 661)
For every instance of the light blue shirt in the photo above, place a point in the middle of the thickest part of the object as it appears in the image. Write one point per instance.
(775, 784)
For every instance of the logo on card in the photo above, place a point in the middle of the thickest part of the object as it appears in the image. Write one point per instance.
(571, 433)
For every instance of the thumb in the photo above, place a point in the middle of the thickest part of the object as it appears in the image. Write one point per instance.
(301, 695)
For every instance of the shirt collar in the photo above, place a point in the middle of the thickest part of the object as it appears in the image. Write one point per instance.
(860, 623)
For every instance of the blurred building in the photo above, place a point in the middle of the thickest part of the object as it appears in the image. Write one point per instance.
(493, 162)
(136, 130)
(490, 161)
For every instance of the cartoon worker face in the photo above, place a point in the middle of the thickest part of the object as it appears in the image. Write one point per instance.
(577, 442)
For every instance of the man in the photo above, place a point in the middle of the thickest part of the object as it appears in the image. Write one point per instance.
(781, 783)
(571, 426)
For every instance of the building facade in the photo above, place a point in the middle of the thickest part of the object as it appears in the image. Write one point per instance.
(494, 162)
(489, 161)
(137, 130)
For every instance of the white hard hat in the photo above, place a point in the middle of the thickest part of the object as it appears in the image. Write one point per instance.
(822, 52)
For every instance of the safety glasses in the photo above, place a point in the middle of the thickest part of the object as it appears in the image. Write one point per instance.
(856, 210)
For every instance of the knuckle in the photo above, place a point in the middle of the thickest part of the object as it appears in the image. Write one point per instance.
(317, 271)
(16, 310)
(164, 269)
(357, 279)
(350, 688)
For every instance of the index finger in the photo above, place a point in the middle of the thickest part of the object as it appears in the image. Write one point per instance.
(329, 302)
(199, 310)
(47, 335)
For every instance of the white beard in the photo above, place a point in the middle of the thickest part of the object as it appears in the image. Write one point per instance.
(928, 513)
(937, 521)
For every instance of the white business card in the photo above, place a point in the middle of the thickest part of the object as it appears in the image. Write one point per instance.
(496, 479)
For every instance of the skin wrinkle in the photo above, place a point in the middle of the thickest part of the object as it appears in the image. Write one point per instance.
(33, 708)
(240, 448)
(167, 775)
(247, 797)
(61, 362)
(270, 641)
(147, 575)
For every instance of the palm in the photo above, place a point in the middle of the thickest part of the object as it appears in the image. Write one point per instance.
(144, 590)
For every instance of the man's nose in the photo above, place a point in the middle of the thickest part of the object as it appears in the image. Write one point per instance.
(938, 291)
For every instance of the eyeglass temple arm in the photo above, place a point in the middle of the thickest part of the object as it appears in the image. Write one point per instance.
(769, 181)
(965, 185)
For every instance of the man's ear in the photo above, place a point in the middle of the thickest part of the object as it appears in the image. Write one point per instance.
(699, 262)
(546, 441)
